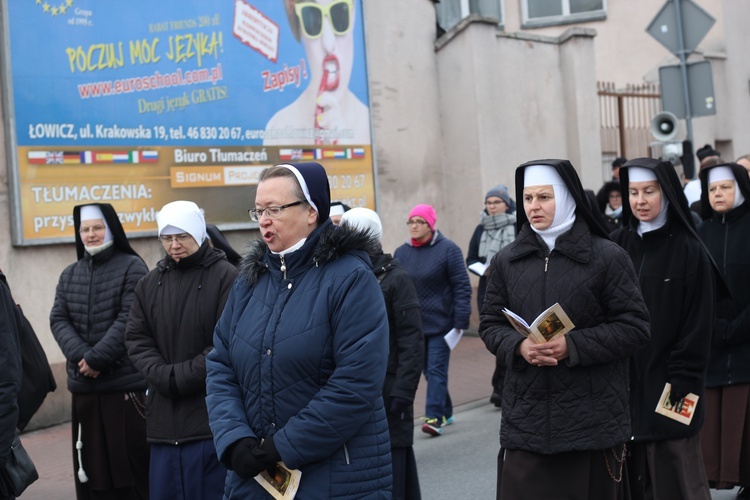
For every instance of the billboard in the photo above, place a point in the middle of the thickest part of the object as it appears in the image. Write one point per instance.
(141, 103)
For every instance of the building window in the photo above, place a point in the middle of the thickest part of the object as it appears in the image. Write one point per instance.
(539, 13)
(451, 12)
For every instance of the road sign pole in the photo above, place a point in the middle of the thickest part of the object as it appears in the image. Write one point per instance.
(682, 53)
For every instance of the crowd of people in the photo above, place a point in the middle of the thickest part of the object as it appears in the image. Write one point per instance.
(214, 369)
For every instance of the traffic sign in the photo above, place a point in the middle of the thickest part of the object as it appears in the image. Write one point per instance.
(695, 24)
(700, 89)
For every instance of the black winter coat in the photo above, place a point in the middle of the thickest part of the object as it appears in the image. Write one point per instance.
(677, 284)
(727, 237)
(89, 316)
(406, 345)
(582, 403)
(10, 376)
(170, 331)
(677, 279)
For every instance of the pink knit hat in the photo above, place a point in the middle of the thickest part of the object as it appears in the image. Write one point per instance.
(426, 212)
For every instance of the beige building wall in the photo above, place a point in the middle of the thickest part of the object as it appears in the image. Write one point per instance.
(624, 52)
(496, 116)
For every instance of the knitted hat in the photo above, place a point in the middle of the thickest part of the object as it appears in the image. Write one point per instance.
(182, 217)
(313, 180)
(93, 212)
(427, 213)
(365, 220)
(501, 191)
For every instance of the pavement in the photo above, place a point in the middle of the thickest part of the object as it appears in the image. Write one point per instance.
(51, 449)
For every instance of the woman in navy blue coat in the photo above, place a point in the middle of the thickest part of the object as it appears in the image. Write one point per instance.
(437, 267)
(301, 350)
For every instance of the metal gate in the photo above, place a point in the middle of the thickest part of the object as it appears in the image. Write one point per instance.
(625, 117)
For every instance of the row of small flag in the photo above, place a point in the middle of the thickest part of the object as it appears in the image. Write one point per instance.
(321, 154)
(90, 157)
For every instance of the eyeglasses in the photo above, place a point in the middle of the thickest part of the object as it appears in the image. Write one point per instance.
(271, 212)
(415, 222)
(96, 229)
(311, 15)
(179, 238)
(493, 203)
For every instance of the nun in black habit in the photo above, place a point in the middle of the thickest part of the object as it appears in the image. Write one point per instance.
(677, 278)
(565, 418)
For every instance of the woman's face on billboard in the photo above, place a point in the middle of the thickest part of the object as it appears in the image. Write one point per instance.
(327, 34)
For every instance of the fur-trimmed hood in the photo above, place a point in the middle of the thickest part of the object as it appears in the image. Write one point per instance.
(325, 244)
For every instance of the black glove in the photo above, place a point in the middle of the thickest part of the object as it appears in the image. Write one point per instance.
(244, 459)
(270, 455)
(679, 390)
(398, 405)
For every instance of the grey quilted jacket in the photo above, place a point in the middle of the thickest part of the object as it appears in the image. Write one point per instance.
(582, 403)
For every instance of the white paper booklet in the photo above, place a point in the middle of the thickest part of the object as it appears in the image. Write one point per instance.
(284, 483)
(478, 268)
(550, 324)
(452, 337)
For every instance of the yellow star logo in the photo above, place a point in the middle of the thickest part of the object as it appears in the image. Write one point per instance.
(61, 9)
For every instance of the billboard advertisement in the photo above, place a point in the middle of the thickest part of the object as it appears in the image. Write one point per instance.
(141, 103)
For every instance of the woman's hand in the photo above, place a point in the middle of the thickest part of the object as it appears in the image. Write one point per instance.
(86, 370)
(546, 354)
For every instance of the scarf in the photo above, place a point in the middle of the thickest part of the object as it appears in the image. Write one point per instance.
(498, 232)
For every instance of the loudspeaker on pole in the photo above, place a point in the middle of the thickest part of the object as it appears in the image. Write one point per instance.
(664, 126)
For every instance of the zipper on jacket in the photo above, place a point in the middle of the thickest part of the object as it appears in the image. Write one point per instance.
(547, 429)
(283, 266)
(346, 454)
(726, 238)
(89, 319)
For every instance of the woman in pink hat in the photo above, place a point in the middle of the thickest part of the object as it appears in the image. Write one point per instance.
(437, 267)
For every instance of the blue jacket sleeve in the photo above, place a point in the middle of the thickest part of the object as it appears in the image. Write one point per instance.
(459, 282)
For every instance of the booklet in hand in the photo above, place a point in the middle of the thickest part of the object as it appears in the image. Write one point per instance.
(283, 484)
(478, 268)
(552, 323)
(683, 411)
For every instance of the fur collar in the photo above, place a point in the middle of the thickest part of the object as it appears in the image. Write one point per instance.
(325, 244)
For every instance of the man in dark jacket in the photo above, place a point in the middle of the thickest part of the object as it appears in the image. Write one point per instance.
(169, 333)
(88, 321)
(10, 376)
(405, 356)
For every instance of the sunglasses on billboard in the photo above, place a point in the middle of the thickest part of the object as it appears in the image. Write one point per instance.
(311, 16)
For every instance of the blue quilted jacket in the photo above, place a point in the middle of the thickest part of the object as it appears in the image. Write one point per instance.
(442, 282)
(301, 355)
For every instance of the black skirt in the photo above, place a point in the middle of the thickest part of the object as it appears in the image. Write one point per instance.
(575, 475)
(115, 454)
